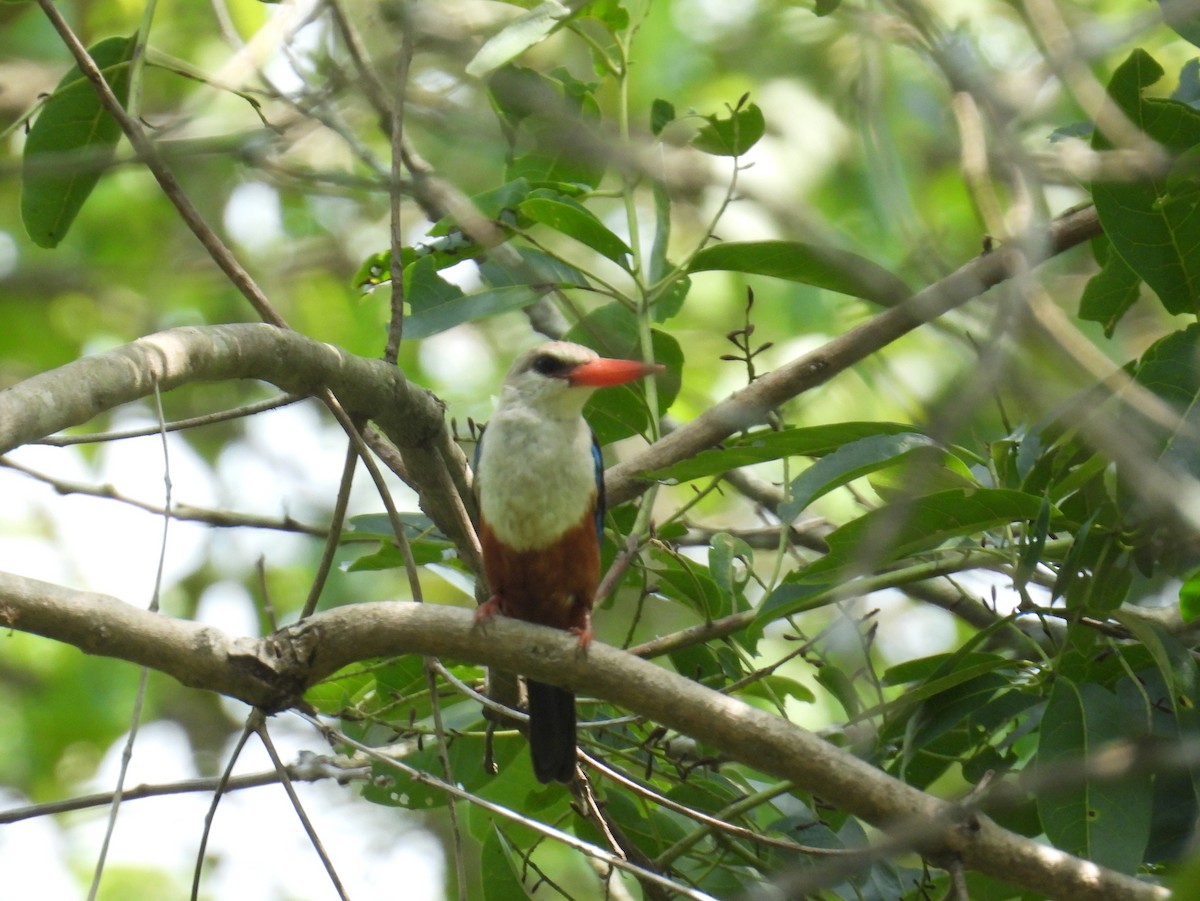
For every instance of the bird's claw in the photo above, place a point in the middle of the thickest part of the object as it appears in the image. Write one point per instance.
(489, 608)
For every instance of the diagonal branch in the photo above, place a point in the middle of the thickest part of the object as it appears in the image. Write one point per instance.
(272, 673)
(751, 405)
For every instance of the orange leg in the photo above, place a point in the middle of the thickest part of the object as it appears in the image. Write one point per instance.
(489, 608)
(584, 629)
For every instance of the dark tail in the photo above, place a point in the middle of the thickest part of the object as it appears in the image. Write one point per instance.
(551, 732)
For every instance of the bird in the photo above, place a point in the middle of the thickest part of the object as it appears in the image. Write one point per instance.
(539, 483)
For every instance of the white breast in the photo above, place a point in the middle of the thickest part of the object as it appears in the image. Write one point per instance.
(536, 477)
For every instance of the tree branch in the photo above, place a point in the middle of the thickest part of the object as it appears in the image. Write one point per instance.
(410, 416)
(272, 673)
(751, 405)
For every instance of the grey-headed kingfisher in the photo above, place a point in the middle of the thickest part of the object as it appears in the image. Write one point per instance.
(540, 485)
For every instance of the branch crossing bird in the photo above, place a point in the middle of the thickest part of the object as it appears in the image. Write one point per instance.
(540, 486)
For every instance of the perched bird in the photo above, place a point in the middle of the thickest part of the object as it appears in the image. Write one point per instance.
(541, 510)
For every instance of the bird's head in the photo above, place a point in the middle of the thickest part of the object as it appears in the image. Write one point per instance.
(556, 378)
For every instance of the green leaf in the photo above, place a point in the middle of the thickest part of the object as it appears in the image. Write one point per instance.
(503, 866)
(823, 267)
(1179, 671)
(1189, 597)
(467, 308)
(765, 445)
(927, 522)
(1154, 229)
(580, 223)
(1110, 293)
(1105, 822)
(438, 305)
(1168, 368)
(610, 12)
(731, 135)
(690, 583)
(71, 143)
(893, 532)
(662, 114)
(519, 35)
(849, 462)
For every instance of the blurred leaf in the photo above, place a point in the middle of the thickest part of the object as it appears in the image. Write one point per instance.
(1189, 597)
(466, 308)
(491, 204)
(1188, 89)
(1153, 229)
(824, 267)
(537, 268)
(610, 12)
(894, 532)
(662, 114)
(1104, 821)
(77, 136)
(547, 119)
(503, 866)
(849, 462)
(520, 34)
(724, 551)
(767, 444)
(438, 305)
(1179, 672)
(578, 222)
(927, 522)
(428, 544)
(1183, 18)
(778, 687)
(731, 135)
(691, 583)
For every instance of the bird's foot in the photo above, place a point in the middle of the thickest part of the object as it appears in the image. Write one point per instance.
(489, 608)
(583, 631)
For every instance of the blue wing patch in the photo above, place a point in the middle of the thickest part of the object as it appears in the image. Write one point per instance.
(601, 504)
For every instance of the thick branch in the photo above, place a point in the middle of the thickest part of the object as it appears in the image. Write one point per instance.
(751, 405)
(272, 672)
(410, 416)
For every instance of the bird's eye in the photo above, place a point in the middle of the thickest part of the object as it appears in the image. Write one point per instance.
(547, 364)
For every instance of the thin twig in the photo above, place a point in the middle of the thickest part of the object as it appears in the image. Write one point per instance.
(260, 728)
(273, 403)
(337, 522)
(144, 676)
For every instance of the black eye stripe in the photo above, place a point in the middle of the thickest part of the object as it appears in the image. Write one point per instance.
(547, 364)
